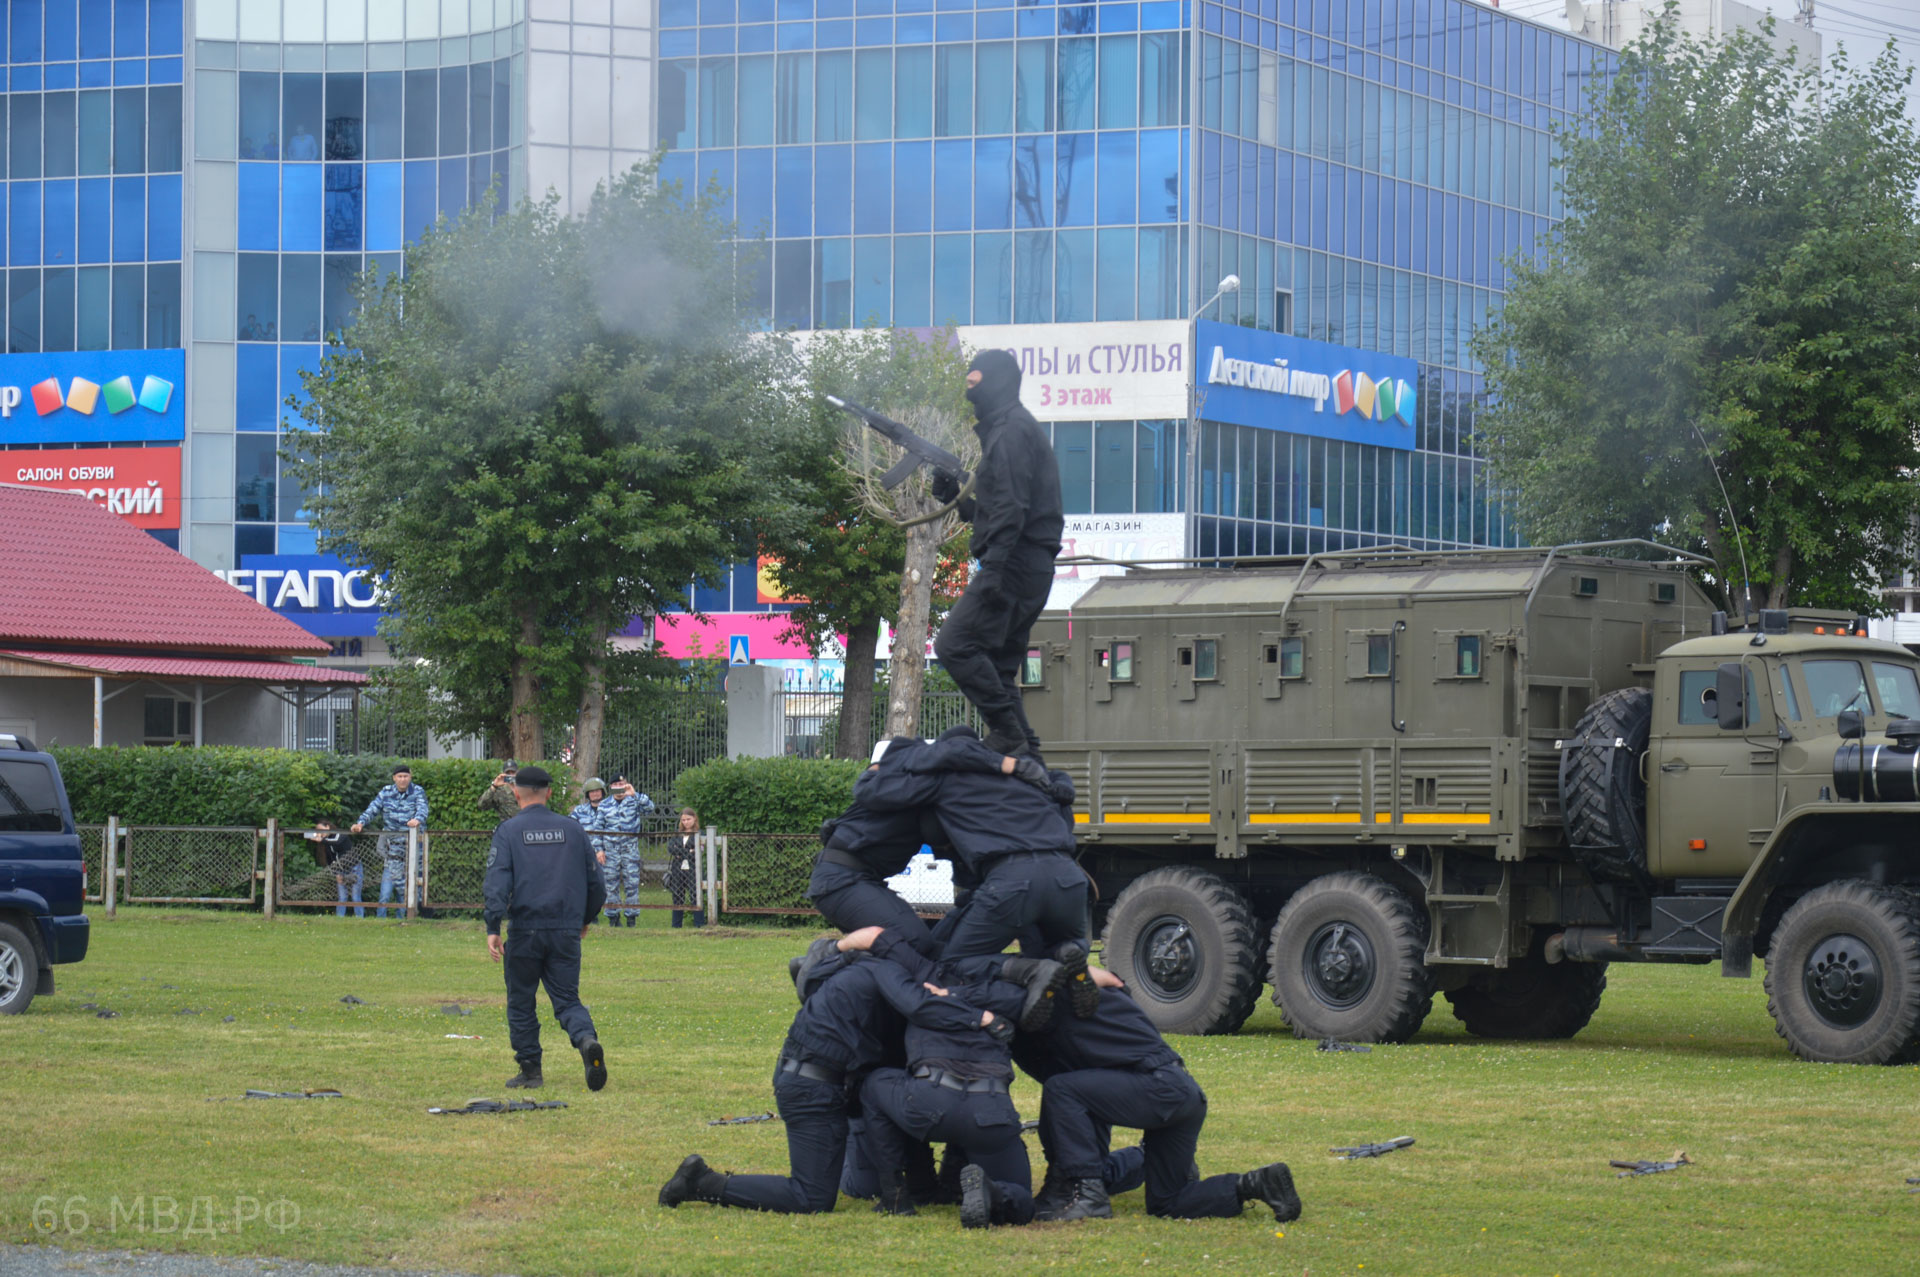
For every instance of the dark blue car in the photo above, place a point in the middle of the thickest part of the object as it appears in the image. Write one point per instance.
(42, 878)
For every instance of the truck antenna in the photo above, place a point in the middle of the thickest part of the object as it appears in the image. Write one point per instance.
(1746, 577)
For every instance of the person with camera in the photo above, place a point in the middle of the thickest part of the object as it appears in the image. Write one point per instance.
(618, 818)
(498, 798)
(334, 851)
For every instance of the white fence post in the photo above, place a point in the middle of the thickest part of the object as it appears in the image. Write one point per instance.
(273, 843)
(711, 885)
(413, 869)
(110, 866)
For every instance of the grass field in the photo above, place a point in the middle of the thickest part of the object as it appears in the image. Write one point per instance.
(1800, 1167)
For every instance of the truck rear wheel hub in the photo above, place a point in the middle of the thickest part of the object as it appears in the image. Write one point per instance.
(1339, 965)
(12, 971)
(1842, 980)
(1167, 957)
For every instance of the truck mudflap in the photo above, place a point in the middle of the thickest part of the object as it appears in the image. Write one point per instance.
(66, 938)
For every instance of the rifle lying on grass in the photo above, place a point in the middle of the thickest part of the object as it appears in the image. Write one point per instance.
(1373, 1150)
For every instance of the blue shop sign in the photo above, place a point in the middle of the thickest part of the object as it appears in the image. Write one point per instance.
(318, 592)
(94, 396)
(1276, 382)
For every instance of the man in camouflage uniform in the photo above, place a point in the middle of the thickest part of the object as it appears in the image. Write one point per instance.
(620, 814)
(400, 806)
(498, 797)
(588, 812)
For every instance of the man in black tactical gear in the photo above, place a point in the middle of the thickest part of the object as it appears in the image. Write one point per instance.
(850, 1022)
(1015, 510)
(542, 876)
(1116, 1070)
(862, 849)
(1015, 837)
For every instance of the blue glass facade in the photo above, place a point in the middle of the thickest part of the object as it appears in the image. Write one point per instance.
(333, 159)
(90, 145)
(1361, 165)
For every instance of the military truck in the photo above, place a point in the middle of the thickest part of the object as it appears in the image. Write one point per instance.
(1372, 776)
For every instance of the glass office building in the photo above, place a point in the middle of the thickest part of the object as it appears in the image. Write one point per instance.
(1361, 165)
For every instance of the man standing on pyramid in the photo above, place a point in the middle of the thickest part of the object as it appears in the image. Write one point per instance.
(1015, 510)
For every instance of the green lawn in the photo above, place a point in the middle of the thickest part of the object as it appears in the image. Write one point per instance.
(1800, 1167)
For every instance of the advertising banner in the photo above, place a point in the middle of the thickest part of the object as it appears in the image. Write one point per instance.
(141, 485)
(318, 592)
(1127, 537)
(94, 396)
(1087, 372)
(1276, 382)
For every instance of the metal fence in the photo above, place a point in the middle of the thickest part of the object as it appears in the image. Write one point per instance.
(274, 869)
(350, 721)
(813, 718)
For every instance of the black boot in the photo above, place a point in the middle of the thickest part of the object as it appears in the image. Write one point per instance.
(596, 1061)
(1006, 737)
(695, 1181)
(1088, 1200)
(1053, 1196)
(980, 1200)
(894, 1198)
(1081, 989)
(631, 918)
(528, 1078)
(1272, 1184)
(1045, 980)
(613, 920)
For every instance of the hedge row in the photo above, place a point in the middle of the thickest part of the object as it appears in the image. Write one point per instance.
(228, 785)
(768, 795)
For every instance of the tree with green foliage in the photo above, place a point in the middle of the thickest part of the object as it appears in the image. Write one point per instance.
(861, 558)
(548, 426)
(1732, 297)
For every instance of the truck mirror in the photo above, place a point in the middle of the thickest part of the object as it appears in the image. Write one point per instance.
(1730, 696)
(1851, 724)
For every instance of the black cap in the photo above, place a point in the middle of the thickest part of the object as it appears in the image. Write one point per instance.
(532, 778)
(402, 768)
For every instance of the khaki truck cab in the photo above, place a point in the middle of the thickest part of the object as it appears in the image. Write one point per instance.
(1365, 778)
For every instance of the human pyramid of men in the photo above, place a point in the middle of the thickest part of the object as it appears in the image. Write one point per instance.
(908, 1035)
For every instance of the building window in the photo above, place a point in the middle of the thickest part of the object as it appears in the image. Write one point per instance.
(168, 721)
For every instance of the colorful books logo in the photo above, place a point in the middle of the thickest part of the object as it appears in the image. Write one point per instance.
(83, 396)
(1381, 400)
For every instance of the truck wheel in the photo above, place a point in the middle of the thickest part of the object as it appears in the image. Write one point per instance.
(1532, 998)
(1183, 941)
(1843, 975)
(1349, 961)
(19, 970)
(1603, 799)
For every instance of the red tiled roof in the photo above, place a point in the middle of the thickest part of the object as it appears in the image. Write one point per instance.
(70, 572)
(183, 667)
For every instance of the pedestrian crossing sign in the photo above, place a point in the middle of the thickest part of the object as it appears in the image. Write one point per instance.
(737, 650)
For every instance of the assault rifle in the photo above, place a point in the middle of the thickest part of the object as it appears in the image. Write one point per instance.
(1373, 1150)
(1650, 1168)
(919, 451)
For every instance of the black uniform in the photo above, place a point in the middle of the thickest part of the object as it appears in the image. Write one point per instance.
(954, 1089)
(849, 1023)
(863, 848)
(1015, 838)
(543, 879)
(1116, 1070)
(1016, 514)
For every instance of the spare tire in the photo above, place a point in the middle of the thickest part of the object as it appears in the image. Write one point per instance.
(1603, 797)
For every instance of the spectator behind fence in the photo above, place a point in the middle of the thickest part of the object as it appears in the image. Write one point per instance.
(334, 850)
(498, 797)
(401, 806)
(683, 868)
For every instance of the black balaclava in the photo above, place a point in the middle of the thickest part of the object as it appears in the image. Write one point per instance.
(999, 386)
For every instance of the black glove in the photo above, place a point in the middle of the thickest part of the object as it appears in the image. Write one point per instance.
(1001, 1030)
(945, 487)
(1033, 773)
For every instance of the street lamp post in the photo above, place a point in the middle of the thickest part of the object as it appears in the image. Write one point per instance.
(1231, 284)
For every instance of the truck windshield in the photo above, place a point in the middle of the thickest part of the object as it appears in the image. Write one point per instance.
(1899, 689)
(1834, 685)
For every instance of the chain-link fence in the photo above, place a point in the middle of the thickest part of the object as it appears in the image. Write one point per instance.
(93, 861)
(189, 864)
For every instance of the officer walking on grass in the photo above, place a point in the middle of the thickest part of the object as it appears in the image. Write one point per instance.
(543, 878)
